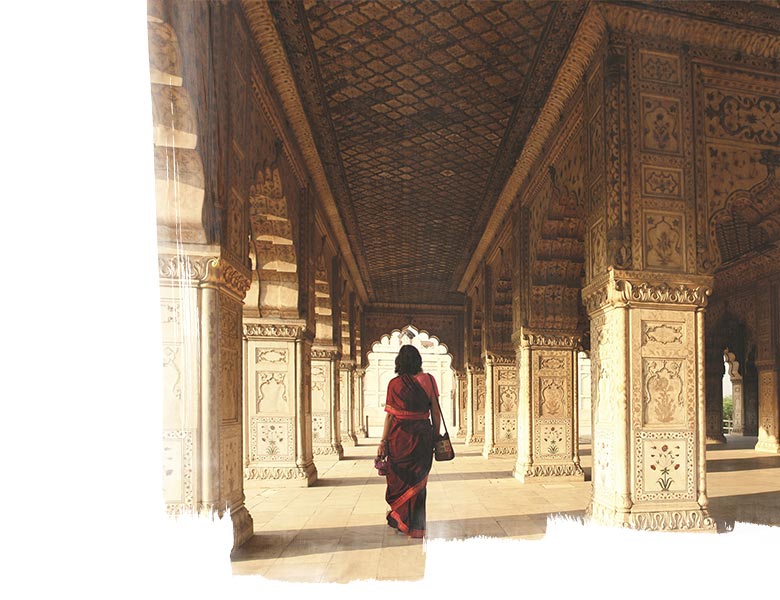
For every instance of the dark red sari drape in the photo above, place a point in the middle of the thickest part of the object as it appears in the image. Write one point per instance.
(410, 454)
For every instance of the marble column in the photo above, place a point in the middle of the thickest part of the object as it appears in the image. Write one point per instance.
(462, 379)
(475, 425)
(647, 356)
(713, 386)
(360, 401)
(277, 438)
(548, 437)
(768, 367)
(348, 413)
(326, 434)
(768, 403)
(201, 297)
(500, 405)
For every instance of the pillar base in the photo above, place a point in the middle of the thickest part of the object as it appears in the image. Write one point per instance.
(255, 477)
(243, 526)
(349, 440)
(716, 440)
(682, 519)
(525, 473)
(336, 450)
(499, 451)
(474, 440)
(771, 446)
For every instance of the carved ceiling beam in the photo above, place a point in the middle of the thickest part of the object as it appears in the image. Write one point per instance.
(272, 51)
(587, 40)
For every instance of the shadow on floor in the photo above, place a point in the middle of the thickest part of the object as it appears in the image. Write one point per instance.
(734, 442)
(347, 481)
(291, 543)
(743, 464)
(761, 509)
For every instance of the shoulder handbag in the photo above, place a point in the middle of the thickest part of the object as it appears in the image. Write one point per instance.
(442, 447)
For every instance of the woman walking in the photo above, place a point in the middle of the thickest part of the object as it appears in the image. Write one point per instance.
(407, 441)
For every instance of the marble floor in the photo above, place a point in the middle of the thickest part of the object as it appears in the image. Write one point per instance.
(335, 531)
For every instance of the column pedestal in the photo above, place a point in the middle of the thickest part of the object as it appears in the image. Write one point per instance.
(768, 405)
(475, 426)
(500, 406)
(201, 297)
(462, 405)
(326, 434)
(714, 402)
(547, 442)
(347, 408)
(277, 439)
(647, 356)
(360, 402)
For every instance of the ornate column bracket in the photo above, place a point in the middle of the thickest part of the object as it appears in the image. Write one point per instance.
(203, 271)
(277, 330)
(627, 288)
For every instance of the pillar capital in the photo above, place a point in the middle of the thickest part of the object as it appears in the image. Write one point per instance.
(492, 358)
(325, 353)
(198, 269)
(273, 328)
(626, 288)
(551, 339)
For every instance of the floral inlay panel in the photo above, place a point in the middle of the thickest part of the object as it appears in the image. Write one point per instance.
(661, 127)
(270, 439)
(665, 466)
(553, 440)
(664, 241)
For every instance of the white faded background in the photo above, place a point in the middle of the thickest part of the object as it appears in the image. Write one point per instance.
(81, 407)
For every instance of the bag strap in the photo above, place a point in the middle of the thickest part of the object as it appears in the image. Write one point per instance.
(441, 415)
(436, 398)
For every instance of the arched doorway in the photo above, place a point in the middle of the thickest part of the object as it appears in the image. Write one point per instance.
(381, 369)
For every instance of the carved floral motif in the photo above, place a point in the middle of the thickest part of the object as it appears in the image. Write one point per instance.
(661, 124)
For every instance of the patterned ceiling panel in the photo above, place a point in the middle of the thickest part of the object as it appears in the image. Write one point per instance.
(419, 110)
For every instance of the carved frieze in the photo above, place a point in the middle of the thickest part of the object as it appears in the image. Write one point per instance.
(623, 288)
(276, 330)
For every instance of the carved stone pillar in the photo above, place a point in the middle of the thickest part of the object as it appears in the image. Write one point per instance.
(326, 434)
(201, 296)
(277, 438)
(463, 389)
(500, 405)
(359, 400)
(737, 398)
(768, 402)
(346, 390)
(647, 356)
(768, 367)
(475, 426)
(713, 386)
(547, 442)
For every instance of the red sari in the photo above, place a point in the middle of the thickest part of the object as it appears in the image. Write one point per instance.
(409, 450)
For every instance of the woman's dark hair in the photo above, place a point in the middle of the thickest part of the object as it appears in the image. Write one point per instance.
(408, 361)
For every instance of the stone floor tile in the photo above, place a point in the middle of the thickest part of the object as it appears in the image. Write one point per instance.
(338, 525)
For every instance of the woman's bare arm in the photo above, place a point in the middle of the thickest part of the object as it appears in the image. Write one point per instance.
(382, 448)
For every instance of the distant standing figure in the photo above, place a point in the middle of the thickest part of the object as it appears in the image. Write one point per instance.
(413, 415)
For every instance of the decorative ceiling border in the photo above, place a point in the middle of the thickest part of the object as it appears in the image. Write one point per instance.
(269, 43)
